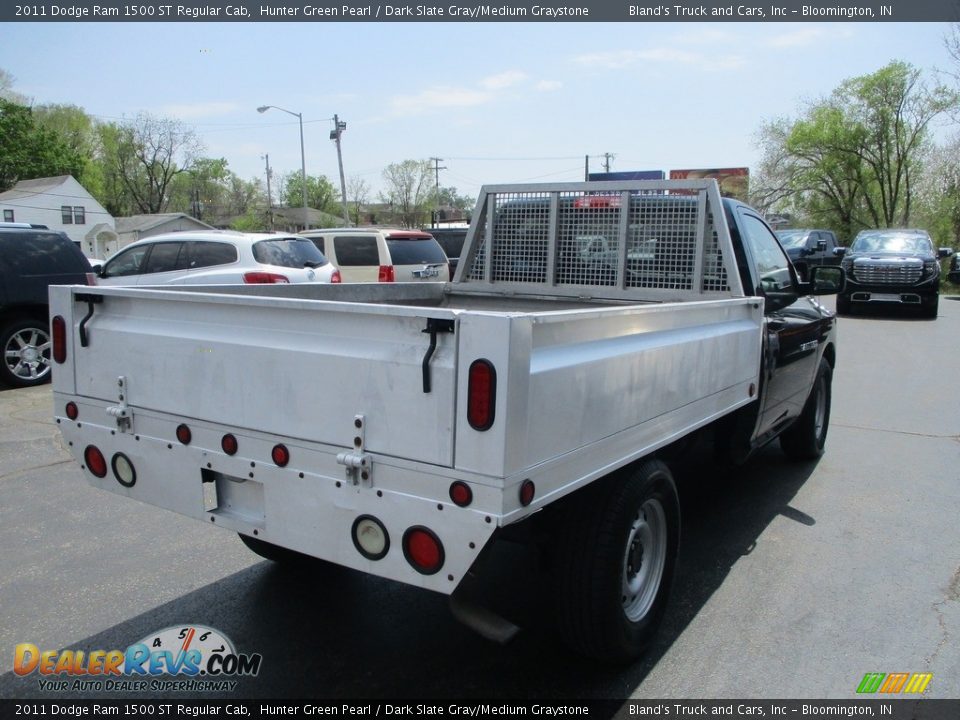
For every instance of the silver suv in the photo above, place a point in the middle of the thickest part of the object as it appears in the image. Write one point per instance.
(371, 254)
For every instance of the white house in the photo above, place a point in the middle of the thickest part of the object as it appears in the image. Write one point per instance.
(61, 203)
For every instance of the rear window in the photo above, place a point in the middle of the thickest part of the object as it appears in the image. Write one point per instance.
(288, 252)
(41, 253)
(415, 251)
(356, 250)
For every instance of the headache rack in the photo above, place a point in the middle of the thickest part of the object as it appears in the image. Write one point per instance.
(650, 240)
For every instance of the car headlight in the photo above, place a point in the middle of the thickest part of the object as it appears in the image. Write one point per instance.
(931, 268)
(847, 265)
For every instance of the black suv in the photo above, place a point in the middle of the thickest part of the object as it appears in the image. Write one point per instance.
(809, 247)
(32, 259)
(890, 266)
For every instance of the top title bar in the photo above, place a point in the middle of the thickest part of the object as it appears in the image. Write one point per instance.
(473, 11)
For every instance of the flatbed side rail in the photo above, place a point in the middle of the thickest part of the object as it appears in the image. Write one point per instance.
(645, 240)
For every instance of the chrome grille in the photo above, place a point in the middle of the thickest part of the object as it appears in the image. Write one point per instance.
(887, 273)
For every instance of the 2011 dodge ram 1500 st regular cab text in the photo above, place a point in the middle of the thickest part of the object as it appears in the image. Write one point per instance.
(540, 386)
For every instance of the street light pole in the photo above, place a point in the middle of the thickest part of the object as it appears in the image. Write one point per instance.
(303, 157)
(335, 134)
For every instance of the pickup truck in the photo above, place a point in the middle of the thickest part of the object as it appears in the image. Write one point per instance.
(397, 429)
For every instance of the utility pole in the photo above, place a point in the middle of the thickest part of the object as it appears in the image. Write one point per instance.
(269, 193)
(607, 157)
(335, 134)
(586, 168)
(436, 195)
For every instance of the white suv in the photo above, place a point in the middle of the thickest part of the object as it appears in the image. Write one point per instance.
(218, 257)
(371, 254)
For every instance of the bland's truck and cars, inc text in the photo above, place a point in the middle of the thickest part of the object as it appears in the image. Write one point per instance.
(591, 332)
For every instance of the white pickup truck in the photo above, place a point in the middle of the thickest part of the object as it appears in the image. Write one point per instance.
(397, 429)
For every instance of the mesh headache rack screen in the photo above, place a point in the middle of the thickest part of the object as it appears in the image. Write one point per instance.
(649, 240)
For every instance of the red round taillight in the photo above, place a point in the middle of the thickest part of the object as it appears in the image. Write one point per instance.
(96, 463)
(527, 492)
(184, 435)
(460, 493)
(58, 328)
(336, 277)
(423, 550)
(481, 395)
(229, 444)
(280, 455)
(73, 412)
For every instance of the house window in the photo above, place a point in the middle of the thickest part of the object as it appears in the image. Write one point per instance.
(66, 214)
(79, 215)
(8, 215)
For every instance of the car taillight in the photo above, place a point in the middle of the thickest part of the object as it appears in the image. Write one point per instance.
(481, 395)
(386, 274)
(73, 412)
(58, 327)
(460, 493)
(229, 444)
(336, 277)
(184, 435)
(96, 463)
(264, 278)
(423, 550)
(280, 455)
(527, 492)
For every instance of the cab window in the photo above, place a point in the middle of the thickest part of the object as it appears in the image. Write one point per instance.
(772, 264)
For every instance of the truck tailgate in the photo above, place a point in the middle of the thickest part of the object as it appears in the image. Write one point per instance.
(294, 368)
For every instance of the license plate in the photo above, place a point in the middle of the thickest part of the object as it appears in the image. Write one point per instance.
(884, 297)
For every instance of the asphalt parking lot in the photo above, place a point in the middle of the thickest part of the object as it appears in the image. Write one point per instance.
(793, 581)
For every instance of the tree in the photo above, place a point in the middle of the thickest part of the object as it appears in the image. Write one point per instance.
(6, 89)
(77, 130)
(408, 190)
(359, 193)
(852, 159)
(142, 159)
(28, 150)
(320, 193)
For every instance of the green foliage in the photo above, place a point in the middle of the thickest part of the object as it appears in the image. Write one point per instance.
(854, 159)
(28, 150)
(321, 194)
(408, 190)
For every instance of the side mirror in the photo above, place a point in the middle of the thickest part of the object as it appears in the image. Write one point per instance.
(945, 252)
(824, 280)
(839, 251)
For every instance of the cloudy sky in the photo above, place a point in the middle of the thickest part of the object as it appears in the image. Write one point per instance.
(499, 102)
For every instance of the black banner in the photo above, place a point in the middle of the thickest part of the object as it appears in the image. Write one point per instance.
(474, 11)
(895, 709)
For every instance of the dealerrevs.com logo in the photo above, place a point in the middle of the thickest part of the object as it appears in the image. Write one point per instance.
(893, 683)
(178, 658)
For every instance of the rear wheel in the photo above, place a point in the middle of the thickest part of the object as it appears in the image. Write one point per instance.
(805, 439)
(617, 551)
(25, 345)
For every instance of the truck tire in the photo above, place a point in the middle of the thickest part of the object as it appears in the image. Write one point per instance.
(276, 553)
(805, 439)
(617, 553)
(25, 353)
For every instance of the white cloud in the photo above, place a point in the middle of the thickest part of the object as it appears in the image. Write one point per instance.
(199, 110)
(618, 60)
(804, 37)
(439, 97)
(503, 80)
(549, 85)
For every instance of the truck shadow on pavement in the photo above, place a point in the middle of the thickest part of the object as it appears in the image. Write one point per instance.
(328, 632)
